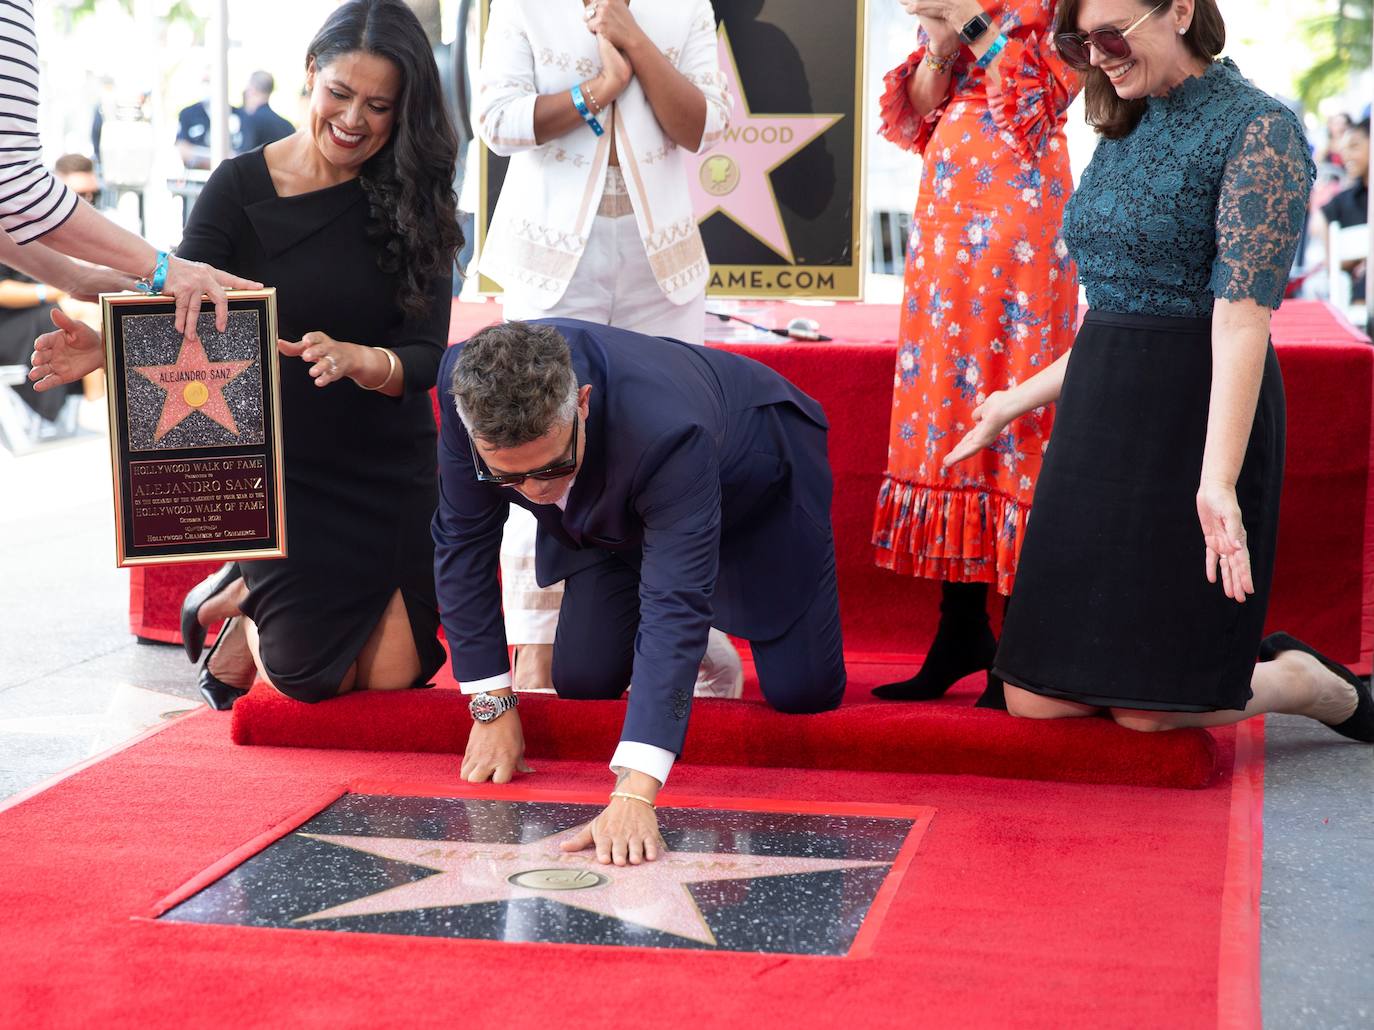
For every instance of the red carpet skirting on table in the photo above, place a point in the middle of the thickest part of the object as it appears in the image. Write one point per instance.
(873, 737)
(1320, 581)
(1027, 904)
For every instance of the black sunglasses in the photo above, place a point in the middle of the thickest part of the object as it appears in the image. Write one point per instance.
(562, 467)
(1073, 46)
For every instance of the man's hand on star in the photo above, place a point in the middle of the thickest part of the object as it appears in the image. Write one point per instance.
(496, 750)
(626, 831)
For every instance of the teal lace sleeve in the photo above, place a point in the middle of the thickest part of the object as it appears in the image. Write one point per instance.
(1261, 209)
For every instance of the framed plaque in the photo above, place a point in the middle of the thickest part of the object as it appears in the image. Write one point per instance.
(195, 431)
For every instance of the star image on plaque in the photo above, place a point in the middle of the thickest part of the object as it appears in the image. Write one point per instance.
(734, 175)
(491, 869)
(193, 393)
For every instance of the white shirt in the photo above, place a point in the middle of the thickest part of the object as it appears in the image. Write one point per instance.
(551, 191)
(629, 754)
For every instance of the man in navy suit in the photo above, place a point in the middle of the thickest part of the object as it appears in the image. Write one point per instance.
(676, 488)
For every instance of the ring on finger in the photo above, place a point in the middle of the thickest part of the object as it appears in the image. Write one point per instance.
(333, 363)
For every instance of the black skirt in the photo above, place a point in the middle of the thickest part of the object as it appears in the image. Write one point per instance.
(1111, 605)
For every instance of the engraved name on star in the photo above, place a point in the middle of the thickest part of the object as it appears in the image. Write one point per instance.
(193, 383)
(653, 895)
(733, 176)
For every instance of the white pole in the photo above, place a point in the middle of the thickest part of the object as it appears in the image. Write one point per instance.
(218, 43)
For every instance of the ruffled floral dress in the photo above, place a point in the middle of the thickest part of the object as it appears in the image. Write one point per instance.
(990, 299)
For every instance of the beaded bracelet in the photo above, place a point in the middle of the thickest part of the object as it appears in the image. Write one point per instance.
(992, 51)
(592, 102)
(940, 65)
(587, 116)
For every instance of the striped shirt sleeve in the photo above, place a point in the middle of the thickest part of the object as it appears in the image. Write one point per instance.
(32, 201)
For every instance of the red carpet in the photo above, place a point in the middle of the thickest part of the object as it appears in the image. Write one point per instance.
(863, 737)
(1028, 904)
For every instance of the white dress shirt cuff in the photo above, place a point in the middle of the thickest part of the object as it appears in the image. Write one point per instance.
(490, 683)
(645, 758)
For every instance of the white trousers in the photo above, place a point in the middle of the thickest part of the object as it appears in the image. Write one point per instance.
(614, 285)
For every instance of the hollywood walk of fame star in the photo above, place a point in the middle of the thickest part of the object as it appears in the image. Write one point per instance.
(193, 383)
(733, 176)
(652, 895)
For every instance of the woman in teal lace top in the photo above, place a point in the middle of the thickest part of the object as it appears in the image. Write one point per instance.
(1145, 570)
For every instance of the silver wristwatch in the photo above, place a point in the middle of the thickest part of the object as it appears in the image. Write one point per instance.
(485, 707)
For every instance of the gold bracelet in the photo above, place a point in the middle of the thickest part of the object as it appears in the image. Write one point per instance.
(632, 797)
(390, 369)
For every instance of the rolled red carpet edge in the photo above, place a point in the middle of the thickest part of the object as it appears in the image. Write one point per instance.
(858, 737)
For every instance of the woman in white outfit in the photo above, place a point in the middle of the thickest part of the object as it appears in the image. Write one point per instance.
(594, 106)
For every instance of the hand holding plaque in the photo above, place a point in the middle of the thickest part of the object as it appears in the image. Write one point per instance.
(195, 434)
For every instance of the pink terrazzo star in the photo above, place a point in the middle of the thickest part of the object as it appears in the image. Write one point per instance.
(652, 895)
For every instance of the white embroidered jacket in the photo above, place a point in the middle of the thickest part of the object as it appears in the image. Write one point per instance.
(551, 192)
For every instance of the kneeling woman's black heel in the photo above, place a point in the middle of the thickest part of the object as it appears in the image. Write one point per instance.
(218, 695)
(1360, 725)
(192, 632)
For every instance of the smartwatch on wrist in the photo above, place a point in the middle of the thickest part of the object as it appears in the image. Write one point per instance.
(974, 28)
(485, 707)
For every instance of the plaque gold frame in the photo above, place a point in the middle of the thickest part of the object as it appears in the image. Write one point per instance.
(113, 308)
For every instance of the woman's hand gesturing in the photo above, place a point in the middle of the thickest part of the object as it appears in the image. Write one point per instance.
(990, 418)
(1227, 551)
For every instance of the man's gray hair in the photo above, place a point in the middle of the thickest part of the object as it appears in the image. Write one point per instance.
(513, 382)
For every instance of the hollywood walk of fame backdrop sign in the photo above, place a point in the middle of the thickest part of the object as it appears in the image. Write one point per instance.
(195, 431)
(780, 199)
(739, 876)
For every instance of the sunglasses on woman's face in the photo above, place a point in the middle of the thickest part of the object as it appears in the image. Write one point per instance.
(1110, 43)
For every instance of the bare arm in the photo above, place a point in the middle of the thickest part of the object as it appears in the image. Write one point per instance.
(1240, 339)
(85, 282)
(89, 236)
(679, 106)
(1005, 406)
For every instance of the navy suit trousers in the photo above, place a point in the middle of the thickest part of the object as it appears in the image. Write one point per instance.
(802, 671)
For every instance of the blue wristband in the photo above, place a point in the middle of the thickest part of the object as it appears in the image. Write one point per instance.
(585, 111)
(154, 283)
(992, 51)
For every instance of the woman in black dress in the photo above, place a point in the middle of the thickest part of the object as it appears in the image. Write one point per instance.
(353, 220)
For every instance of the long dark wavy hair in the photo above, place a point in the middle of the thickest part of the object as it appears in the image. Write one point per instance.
(412, 211)
(1108, 113)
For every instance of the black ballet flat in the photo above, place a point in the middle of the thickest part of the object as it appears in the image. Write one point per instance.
(1360, 725)
(218, 695)
(192, 632)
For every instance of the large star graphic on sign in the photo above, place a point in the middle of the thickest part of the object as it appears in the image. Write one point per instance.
(193, 383)
(733, 176)
(652, 895)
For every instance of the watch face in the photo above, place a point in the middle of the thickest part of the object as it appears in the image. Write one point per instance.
(484, 707)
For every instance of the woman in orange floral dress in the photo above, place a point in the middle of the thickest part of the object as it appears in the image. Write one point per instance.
(990, 298)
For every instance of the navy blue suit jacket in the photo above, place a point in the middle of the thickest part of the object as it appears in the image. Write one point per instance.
(704, 469)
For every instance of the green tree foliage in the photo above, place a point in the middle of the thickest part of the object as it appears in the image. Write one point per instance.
(1340, 38)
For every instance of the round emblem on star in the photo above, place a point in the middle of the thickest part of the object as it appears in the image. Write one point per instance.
(195, 393)
(719, 175)
(557, 879)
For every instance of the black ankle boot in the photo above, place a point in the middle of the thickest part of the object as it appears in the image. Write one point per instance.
(963, 644)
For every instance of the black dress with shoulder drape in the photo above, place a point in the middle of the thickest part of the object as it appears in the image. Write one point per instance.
(360, 466)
